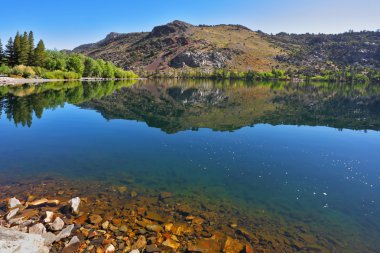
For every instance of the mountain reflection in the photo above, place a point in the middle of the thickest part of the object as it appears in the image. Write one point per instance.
(174, 106)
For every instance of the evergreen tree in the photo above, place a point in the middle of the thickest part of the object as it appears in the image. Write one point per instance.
(31, 48)
(9, 52)
(17, 49)
(24, 49)
(39, 54)
(2, 56)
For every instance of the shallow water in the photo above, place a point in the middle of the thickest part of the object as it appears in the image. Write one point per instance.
(284, 155)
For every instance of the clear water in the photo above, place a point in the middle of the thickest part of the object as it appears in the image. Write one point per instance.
(300, 153)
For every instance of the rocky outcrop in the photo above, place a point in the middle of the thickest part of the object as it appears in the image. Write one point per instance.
(173, 27)
(200, 59)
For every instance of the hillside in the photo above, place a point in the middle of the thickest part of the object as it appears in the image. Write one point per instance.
(178, 44)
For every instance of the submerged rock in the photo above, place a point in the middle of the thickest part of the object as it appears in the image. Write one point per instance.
(140, 243)
(110, 249)
(38, 202)
(95, 219)
(74, 204)
(12, 213)
(49, 217)
(13, 202)
(232, 246)
(171, 244)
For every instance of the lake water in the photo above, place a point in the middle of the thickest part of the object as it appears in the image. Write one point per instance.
(295, 160)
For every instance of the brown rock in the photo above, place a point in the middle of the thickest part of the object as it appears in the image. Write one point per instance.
(122, 189)
(184, 209)
(72, 246)
(232, 246)
(248, 248)
(95, 219)
(81, 219)
(165, 195)
(204, 246)
(154, 228)
(140, 243)
(152, 248)
(171, 244)
(155, 217)
(38, 202)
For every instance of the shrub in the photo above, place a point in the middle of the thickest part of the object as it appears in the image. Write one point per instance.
(5, 70)
(24, 71)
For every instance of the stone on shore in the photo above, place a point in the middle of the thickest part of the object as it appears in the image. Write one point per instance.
(95, 219)
(65, 232)
(38, 229)
(72, 246)
(171, 244)
(12, 241)
(74, 204)
(57, 225)
(13, 202)
(110, 249)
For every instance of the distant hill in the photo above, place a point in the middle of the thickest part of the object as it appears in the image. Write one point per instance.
(179, 44)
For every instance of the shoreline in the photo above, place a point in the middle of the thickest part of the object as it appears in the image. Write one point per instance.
(9, 81)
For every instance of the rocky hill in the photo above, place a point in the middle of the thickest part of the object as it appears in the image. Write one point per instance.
(178, 44)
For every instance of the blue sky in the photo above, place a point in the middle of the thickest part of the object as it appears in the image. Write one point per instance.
(66, 24)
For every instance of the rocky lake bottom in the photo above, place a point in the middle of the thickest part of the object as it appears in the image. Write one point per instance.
(191, 166)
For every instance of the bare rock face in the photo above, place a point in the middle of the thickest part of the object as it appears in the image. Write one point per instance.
(15, 241)
(200, 59)
(173, 27)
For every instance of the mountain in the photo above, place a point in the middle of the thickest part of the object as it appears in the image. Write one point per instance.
(178, 44)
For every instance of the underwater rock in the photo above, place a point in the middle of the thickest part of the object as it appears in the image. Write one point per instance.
(165, 195)
(152, 248)
(140, 243)
(48, 217)
(74, 204)
(12, 213)
(38, 202)
(13, 202)
(95, 219)
(110, 249)
(171, 244)
(204, 246)
(232, 246)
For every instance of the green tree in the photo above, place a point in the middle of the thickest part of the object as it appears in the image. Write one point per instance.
(2, 55)
(10, 53)
(24, 49)
(108, 70)
(75, 64)
(39, 54)
(89, 67)
(31, 48)
(17, 49)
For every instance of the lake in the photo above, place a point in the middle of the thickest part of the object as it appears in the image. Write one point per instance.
(297, 165)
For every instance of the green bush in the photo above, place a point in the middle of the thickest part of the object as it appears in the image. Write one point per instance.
(5, 70)
(24, 71)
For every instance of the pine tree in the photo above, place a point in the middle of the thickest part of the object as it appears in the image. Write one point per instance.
(2, 56)
(9, 52)
(24, 49)
(31, 49)
(16, 49)
(39, 54)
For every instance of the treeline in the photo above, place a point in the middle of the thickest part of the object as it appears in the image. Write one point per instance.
(347, 75)
(21, 58)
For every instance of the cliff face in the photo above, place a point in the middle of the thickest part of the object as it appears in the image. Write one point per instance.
(178, 44)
